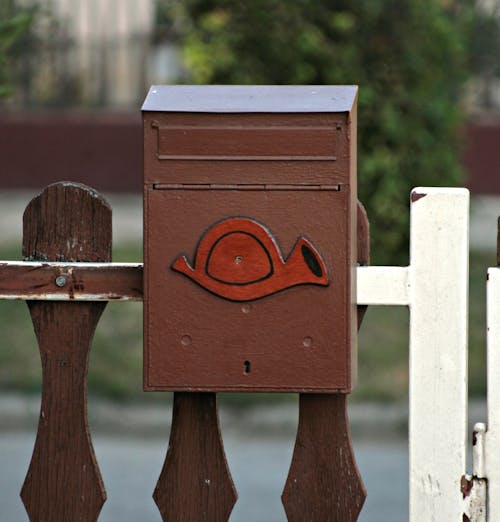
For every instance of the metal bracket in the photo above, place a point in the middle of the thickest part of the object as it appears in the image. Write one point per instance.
(475, 488)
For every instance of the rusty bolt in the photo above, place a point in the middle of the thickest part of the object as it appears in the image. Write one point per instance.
(60, 281)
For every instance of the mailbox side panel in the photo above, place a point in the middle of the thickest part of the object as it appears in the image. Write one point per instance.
(352, 134)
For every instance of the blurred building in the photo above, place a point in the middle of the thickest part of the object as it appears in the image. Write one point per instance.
(93, 53)
(93, 61)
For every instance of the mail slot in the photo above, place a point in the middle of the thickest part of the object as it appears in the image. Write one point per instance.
(249, 238)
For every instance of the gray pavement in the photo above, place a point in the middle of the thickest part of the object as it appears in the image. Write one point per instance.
(130, 468)
(131, 441)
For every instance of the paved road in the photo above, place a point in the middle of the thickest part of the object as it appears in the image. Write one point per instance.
(130, 468)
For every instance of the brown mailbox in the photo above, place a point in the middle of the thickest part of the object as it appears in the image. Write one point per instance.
(249, 238)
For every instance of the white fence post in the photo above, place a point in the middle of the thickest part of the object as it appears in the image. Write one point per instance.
(438, 352)
(492, 435)
(435, 286)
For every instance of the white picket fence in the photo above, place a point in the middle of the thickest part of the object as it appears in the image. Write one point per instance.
(435, 288)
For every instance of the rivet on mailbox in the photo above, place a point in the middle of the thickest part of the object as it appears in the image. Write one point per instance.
(250, 238)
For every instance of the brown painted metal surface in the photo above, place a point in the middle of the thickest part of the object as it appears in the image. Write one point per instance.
(240, 143)
(67, 222)
(298, 339)
(249, 169)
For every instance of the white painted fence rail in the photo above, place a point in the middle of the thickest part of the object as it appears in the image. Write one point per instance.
(435, 287)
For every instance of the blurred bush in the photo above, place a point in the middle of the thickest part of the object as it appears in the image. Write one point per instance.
(15, 23)
(410, 58)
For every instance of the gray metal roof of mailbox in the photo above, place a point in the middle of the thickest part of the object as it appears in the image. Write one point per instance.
(254, 98)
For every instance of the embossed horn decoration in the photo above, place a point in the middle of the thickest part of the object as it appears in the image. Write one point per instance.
(238, 259)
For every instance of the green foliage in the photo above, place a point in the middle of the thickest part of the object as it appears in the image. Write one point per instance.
(15, 23)
(410, 59)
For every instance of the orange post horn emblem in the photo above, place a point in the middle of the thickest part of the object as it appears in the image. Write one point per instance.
(238, 259)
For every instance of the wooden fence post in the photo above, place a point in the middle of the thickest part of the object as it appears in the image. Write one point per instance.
(324, 482)
(66, 222)
(195, 484)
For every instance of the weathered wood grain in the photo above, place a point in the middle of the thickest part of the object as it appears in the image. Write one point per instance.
(195, 484)
(324, 483)
(66, 222)
(30, 280)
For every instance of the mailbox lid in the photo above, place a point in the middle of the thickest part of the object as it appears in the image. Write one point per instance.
(248, 134)
(251, 98)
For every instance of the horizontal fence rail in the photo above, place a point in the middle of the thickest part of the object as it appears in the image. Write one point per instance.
(44, 281)
(35, 280)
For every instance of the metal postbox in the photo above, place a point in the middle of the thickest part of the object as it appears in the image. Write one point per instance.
(249, 238)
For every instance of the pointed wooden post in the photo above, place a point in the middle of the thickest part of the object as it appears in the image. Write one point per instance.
(324, 482)
(66, 222)
(195, 484)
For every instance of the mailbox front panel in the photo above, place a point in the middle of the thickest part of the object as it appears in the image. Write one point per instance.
(294, 339)
(248, 253)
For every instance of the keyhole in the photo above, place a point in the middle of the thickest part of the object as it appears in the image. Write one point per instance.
(246, 365)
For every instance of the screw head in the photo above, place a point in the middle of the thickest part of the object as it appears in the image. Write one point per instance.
(60, 281)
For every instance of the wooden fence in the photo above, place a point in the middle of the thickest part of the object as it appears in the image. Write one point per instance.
(67, 279)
